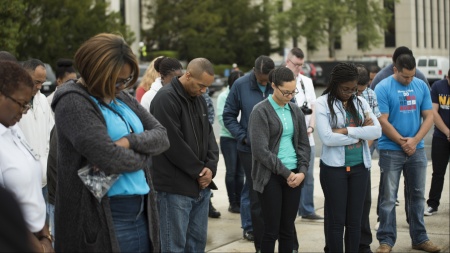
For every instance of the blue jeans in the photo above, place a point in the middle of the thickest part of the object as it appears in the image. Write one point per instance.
(246, 218)
(51, 220)
(306, 206)
(374, 147)
(234, 177)
(392, 164)
(183, 221)
(130, 223)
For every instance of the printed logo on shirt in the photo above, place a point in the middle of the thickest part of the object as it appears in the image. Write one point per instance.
(444, 101)
(407, 101)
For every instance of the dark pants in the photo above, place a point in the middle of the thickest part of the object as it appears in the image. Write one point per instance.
(344, 193)
(234, 177)
(279, 204)
(130, 223)
(366, 234)
(255, 205)
(440, 155)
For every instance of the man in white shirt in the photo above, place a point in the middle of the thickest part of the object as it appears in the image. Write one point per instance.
(38, 122)
(305, 99)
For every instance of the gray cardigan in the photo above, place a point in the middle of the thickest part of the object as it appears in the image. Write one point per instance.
(265, 129)
(82, 223)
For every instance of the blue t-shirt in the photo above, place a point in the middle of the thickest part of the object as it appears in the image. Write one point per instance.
(404, 105)
(440, 94)
(286, 151)
(129, 183)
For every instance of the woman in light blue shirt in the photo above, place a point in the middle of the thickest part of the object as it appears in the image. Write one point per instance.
(344, 123)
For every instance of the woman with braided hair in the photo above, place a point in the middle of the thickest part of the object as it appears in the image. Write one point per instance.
(280, 149)
(345, 123)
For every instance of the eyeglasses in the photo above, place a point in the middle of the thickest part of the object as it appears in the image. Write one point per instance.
(124, 82)
(25, 107)
(287, 93)
(296, 65)
(351, 92)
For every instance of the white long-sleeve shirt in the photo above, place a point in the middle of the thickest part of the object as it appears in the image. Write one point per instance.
(36, 126)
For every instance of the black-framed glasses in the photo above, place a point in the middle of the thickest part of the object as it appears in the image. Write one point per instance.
(350, 92)
(124, 82)
(25, 107)
(287, 93)
(295, 64)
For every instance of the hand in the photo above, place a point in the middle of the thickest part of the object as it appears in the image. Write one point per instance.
(123, 142)
(47, 245)
(296, 180)
(309, 130)
(205, 178)
(368, 122)
(409, 145)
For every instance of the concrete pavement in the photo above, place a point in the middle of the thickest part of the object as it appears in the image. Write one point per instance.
(225, 234)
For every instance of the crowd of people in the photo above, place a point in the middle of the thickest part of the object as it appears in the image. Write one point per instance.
(92, 168)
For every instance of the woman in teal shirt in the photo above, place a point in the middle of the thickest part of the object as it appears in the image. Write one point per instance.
(280, 149)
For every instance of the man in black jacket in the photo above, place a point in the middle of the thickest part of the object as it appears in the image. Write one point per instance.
(183, 174)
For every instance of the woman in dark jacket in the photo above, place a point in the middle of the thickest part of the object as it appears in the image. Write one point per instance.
(280, 149)
(99, 124)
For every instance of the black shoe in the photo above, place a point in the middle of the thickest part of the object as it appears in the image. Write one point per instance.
(213, 213)
(249, 236)
(234, 208)
(313, 217)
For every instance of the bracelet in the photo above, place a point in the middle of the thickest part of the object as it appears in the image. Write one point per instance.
(311, 128)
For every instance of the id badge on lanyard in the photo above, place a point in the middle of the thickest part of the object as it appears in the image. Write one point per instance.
(27, 146)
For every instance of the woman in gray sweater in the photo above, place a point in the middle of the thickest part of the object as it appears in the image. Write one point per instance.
(280, 149)
(99, 124)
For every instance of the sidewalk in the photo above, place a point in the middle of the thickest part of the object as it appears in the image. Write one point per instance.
(225, 234)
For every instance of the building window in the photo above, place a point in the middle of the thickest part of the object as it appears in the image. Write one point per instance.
(424, 25)
(337, 42)
(389, 34)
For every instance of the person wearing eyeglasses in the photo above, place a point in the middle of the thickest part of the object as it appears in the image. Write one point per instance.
(345, 123)
(20, 168)
(99, 123)
(280, 151)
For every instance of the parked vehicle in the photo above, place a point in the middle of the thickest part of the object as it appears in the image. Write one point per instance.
(50, 85)
(317, 74)
(217, 85)
(142, 69)
(433, 67)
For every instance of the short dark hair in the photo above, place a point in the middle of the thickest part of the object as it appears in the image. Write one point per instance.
(7, 56)
(199, 65)
(166, 65)
(281, 75)
(374, 69)
(405, 61)
(12, 77)
(297, 52)
(31, 64)
(263, 64)
(399, 51)
(233, 77)
(64, 66)
(363, 74)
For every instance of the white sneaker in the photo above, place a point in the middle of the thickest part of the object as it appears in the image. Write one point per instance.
(377, 226)
(429, 211)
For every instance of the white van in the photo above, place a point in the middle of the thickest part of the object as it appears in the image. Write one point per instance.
(433, 67)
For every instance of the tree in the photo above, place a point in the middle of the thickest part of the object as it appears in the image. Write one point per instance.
(224, 32)
(55, 29)
(11, 15)
(324, 21)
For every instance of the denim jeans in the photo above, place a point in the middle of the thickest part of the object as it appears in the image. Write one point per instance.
(51, 220)
(306, 206)
(234, 177)
(440, 155)
(130, 223)
(246, 217)
(374, 147)
(279, 203)
(255, 205)
(344, 193)
(183, 221)
(392, 164)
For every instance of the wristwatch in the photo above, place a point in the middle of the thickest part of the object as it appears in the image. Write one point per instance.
(311, 128)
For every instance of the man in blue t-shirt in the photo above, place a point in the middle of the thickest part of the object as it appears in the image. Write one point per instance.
(404, 101)
(440, 146)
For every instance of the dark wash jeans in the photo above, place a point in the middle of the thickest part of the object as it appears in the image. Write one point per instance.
(279, 203)
(440, 155)
(130, 223)
(344, 193)
(234, 177)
